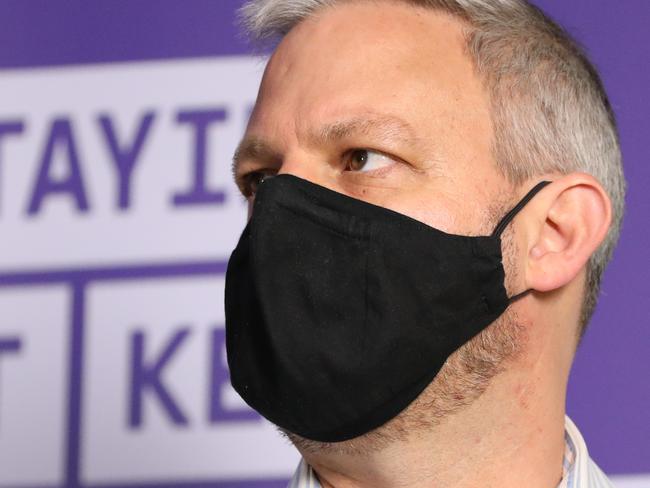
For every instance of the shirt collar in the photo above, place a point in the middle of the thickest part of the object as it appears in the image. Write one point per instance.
(579, 470)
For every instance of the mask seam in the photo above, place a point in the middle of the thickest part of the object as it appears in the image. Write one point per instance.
(359, 235)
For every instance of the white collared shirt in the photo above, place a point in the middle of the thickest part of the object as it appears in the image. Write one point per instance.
(579, 471)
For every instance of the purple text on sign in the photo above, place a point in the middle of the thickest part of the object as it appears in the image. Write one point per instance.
(199, 194)
(60, 138)
(125, 154)
(147, 377)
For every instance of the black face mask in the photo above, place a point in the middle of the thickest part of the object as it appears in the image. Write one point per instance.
(339, 313)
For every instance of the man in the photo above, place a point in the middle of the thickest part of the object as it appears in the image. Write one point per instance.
(435, 190)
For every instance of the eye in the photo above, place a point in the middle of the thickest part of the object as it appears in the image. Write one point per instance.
(250, 182)
(365, 161)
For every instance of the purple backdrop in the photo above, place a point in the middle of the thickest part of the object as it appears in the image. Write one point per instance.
(609, 394)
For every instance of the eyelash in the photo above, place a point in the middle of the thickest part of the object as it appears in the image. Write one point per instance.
(249, 182)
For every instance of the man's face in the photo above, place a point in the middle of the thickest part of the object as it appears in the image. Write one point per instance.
(380, 102)
(391, 79)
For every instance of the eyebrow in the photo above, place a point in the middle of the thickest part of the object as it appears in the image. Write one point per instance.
(253, 148)
(386, 127)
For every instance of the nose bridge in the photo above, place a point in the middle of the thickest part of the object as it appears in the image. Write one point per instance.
(307, 165)
(296, 165)
(304, 153)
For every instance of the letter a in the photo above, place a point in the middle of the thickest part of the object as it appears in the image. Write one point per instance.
(72, 184)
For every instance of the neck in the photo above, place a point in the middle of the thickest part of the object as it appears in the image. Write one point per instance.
(512, 436)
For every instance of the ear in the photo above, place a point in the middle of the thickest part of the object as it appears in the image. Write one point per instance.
(572, 217)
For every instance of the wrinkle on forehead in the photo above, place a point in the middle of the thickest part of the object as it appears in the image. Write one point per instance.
(385, 127)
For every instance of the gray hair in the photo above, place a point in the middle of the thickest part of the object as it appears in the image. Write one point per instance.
(549, 108)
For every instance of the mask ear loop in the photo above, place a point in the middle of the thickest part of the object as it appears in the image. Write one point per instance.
(507, 218)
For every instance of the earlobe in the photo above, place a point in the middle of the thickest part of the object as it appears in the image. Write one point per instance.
(574, 214)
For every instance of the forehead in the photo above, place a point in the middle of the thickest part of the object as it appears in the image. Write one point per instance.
(382, 57)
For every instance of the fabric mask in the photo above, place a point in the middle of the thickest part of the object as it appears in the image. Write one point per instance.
(339, 313)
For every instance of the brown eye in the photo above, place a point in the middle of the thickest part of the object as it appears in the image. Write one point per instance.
(358, 159)
(366, 161)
